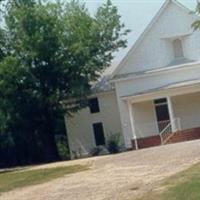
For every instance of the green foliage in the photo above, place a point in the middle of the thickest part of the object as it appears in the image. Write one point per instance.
(50, 53)
(7, 149)
(196, 24)
(113, 143)
(62, 146)
(99, 150)
(2, 44)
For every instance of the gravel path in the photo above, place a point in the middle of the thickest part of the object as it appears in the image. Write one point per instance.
(124, 176)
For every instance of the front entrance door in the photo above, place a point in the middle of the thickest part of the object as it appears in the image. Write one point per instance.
(162, 113)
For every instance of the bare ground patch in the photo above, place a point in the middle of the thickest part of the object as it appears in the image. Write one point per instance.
(125, 176)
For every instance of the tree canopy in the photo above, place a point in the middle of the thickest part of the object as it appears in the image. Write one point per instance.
(196, 24)
(50, 52)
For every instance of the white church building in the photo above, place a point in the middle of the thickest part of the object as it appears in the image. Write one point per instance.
(153, 96)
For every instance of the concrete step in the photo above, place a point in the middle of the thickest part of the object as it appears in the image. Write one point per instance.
(185, 135)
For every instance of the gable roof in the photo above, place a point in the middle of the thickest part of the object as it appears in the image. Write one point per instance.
(103, 83)
(147, 29)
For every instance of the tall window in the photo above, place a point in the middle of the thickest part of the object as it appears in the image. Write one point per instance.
(94, 105)
(178, 48)
(99, 134)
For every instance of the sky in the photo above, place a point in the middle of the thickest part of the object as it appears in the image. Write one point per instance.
(136, 14)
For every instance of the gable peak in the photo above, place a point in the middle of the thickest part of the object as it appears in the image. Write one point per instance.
(147, 29)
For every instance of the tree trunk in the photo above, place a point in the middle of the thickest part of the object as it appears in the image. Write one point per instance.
(49, 147)
(47, 135)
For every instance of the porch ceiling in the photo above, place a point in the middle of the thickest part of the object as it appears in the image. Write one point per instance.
(174, 89)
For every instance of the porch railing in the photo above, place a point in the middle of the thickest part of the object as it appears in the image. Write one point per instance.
(167, 132)
(166, 129)
(162, 124)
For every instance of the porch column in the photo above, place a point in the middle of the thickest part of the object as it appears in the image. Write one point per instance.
(171, 114)
(132, 124)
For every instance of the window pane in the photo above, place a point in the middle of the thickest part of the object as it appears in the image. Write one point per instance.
(158, 101)
(162, 112)
(94, 105)
(178, 49)
(99, 134)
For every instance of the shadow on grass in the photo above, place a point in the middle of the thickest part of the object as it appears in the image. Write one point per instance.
(17, 178)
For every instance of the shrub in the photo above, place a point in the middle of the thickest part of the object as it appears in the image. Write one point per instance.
(63, 150)
(7, 150)
(99, 150)
(113, 143)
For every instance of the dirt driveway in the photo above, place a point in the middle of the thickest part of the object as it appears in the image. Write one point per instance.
(124, 176)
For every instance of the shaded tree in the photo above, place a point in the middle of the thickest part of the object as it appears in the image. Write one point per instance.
(51, 53)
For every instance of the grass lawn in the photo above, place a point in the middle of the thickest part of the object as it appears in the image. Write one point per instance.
(17, 178)
(182, 186)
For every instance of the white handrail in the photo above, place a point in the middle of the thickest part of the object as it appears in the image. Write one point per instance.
(164, 134)
(168, 125)
(163, 131)
(167, 133)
